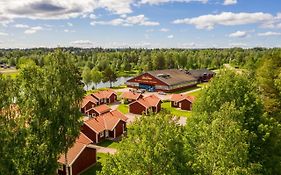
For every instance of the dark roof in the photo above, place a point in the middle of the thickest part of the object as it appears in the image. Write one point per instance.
(199, 72)
(172, 76)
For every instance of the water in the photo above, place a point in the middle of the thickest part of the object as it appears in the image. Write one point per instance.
(120, 81)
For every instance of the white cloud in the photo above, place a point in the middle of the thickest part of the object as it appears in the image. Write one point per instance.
(82, 43)
(117, 6)
(238, 34)
(68, 31)
(170, 36)
(3, 34)
(128, 21)
(164, 30)
(58, 9)
(93, 16)
(156, 2)
(23, 26)
(226, 18)
(238, 45)
(69, 24)
(188, 45)
(269, 34)
(229, 2)
(33, 30)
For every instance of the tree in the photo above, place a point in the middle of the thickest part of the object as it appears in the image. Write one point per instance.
(268, 76)
(96, 76)
(87, 76)
(269, 81)
(153, 146)
(223, 147)
(45, 117)
(109, 75)
(228, 87)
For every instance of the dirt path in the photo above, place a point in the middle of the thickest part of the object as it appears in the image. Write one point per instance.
(101, 149)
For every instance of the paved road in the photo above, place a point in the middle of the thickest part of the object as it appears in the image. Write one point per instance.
(131, 117)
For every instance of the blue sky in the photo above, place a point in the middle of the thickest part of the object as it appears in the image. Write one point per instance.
(140, 23)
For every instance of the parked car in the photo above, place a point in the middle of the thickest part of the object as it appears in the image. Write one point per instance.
(141, 91)
(162, 93)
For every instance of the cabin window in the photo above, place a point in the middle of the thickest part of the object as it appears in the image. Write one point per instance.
(175, 103)
(106, 134)
(101, 134)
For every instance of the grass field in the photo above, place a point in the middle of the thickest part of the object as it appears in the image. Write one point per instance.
(109, 144)
(9, 72)
(101, 158)
(186, 90)
(123, 108)
(195, 94)
(175, 111)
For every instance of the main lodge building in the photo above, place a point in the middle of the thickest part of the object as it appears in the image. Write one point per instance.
(168, 80)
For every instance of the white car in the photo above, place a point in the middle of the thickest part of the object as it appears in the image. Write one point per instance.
(162, 93)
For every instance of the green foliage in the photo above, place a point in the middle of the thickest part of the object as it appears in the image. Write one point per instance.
(109, 75)
(153, 146)
(269, 78)
(222, 146)
(269, 81)
(44, 116)
(240, 91)
(87, 76)
(96, 76)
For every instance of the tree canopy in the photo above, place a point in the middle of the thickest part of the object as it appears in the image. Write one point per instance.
(40, 115)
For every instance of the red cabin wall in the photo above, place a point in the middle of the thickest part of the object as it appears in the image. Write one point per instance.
(89, 133)
(119, 128)
(136, 108)
(113, 98)
(186, 105)
(86, 159)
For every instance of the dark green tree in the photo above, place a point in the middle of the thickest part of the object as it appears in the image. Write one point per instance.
(109, 75)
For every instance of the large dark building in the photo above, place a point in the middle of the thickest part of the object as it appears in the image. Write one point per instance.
(162, 80)
(202, 75)
(169, 80)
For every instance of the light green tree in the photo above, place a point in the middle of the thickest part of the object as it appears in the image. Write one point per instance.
(96, 76)
(153, 146)
(44, 120)
(87, 76)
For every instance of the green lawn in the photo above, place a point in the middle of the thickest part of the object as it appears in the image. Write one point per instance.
(9, 72)
(101, 158)
(127, 73)
(109, 144)
(123, 108)
(186, 90)
(175, 111)
(195, 94)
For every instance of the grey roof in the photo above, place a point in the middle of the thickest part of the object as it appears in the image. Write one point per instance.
(172, 76)
(199, 72)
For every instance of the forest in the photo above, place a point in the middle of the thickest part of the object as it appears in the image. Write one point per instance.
(235, 127)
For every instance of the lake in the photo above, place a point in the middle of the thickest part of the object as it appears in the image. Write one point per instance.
(120, 81)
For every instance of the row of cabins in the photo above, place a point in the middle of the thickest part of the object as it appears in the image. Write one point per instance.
(143, 105)
(104, 123)
(98, 98)
(101, 123)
